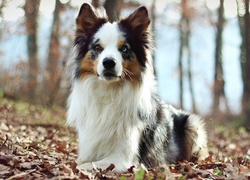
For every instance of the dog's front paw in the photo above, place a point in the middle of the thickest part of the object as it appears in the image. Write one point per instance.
(86, 166)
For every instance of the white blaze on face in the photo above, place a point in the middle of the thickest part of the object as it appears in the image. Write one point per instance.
(109, 36)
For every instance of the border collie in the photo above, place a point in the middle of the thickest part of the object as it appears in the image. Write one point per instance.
(113, 102)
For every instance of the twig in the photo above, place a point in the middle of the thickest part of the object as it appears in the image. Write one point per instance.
(4, 141)
(21, 175)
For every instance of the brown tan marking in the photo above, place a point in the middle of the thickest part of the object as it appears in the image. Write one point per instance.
(132, 71)
(87, 66)
(120, 43)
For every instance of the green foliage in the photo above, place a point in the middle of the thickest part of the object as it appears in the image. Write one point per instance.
(217, 172)
(1, 93)
(34, 114)
(122, 178)
(138, 175)
(182, 178)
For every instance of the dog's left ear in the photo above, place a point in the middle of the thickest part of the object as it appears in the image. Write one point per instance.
(138, 21)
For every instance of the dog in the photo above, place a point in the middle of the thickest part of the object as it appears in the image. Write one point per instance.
(113, 103)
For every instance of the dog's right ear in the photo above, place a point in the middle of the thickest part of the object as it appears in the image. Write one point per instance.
(88, 20)
(138, 21)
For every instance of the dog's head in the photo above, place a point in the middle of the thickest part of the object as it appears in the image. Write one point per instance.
(111, 51)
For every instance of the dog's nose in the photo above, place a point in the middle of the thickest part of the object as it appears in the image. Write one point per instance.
(109, 63)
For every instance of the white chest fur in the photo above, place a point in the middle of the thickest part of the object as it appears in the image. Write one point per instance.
(105, 116)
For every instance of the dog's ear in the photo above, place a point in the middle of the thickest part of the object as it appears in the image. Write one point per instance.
(88, 20)
(138, 21)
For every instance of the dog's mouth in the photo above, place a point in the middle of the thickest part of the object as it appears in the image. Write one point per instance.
(109, 76)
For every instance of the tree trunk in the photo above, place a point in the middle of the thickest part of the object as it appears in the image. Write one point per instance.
(96, 3)
(153, 19)
(184, 31)
(2, 5)
(219, 82)
(53, 68)
(241, 22)
(189, 58)
(185, 50)
(246, 88)
(31, 9)
(180, 59)
(112, 9)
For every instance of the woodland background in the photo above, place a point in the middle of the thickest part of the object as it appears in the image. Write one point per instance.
(202, 63)
(202, 55)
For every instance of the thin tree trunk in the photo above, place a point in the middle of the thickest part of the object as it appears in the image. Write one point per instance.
(52, 75)
(111, 8)
(185, 49)
(246, 88)
(2, 5)
(96, 3)
(182, 40)
(153, 19)
(241, 22)
(180, 68)
(31, 9)
(219, 82)
(190, 76)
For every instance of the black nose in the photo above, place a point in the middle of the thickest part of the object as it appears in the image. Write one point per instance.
(109, 63)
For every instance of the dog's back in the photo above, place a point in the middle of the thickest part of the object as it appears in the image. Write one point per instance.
(173, 135)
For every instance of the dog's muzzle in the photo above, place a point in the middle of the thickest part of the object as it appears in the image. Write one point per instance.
(109, 63)
(109, 72)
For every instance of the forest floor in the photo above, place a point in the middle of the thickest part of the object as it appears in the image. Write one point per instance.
(36, 144)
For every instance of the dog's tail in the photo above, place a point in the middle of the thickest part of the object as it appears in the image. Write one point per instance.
(190, 136)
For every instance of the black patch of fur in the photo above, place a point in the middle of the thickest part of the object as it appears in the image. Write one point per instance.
(128, 56)
(180, 122)
(147, 155)
(154, 144)
(93, 55)
(139, 44)
(154, 141)
(140, 115)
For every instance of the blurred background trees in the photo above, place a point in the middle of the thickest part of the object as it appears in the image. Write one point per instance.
(198, 46)
(244, 21)
(53, 68)
(31, 9)
(219, 81)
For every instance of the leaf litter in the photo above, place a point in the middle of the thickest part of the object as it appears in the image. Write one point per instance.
(36, 144)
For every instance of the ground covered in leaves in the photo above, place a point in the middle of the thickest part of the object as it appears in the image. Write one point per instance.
(35, 144)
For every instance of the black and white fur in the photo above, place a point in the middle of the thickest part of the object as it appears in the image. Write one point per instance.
(113, 103)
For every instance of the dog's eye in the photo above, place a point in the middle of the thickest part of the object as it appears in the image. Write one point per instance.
(97, 47)
(124, 49)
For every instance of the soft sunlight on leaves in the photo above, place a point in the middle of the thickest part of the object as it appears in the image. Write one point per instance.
(33, 147)
(35, 143)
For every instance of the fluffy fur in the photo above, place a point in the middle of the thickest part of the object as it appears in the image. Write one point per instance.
(113, 103)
